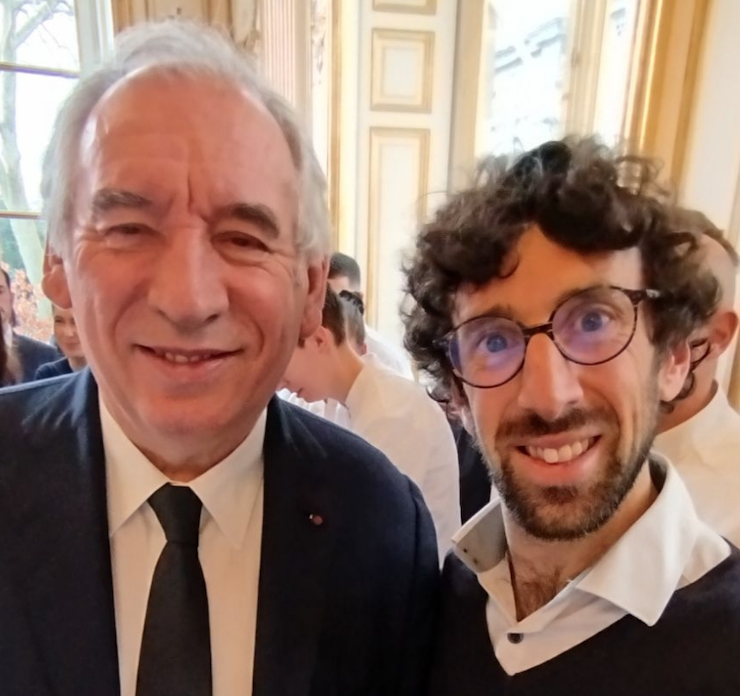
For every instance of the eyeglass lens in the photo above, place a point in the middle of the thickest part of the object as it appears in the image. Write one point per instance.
(589, 328)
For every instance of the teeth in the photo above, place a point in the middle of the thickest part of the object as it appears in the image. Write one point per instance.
(563, 454)
(182, 359)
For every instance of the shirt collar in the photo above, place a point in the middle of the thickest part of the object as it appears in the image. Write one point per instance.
(698, 429)
(663, 540)
(227, 490)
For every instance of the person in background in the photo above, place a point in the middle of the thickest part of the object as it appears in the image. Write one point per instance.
(167, 525)
(67, 340)
(553, 301)
(387, 410)
(29, 353)
(8, 368)
(344, 274)
(700, 432)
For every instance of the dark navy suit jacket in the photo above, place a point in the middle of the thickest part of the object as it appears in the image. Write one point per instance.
(32, 354)
(54, 369)
(346, 608)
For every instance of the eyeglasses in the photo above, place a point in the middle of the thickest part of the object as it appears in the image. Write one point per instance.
(588, 328)
(700, 349)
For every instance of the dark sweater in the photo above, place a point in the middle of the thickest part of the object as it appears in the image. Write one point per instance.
(693, 650)
(33, 354)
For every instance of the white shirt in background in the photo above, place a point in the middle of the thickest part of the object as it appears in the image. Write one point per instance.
(331, 410)
(395, 415)
(705, 450)
(229, 550)
(390, 355)
(666, 549)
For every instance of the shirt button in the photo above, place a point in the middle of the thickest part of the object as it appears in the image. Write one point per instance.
(515, 638)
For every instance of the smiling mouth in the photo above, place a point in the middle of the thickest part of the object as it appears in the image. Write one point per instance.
(566, 453)
(190, 357)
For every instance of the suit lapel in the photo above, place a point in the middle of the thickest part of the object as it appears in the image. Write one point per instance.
(59, 550)
(298, 535)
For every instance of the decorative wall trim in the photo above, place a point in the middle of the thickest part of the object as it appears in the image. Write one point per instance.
(129, 12)
(406, 6)
(379, 138)
(663, 79)
(408, 86)
(467, 91)
(335, 121)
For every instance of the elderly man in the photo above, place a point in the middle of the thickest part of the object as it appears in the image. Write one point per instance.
(554, 301)
(166, 525)
(700, 433)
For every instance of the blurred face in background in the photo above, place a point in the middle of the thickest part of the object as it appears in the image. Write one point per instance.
(308, 374)
(65, 334)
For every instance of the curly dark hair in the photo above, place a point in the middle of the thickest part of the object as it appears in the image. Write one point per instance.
(584, 197)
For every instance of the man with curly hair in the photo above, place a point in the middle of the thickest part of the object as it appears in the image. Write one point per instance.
(552, 301)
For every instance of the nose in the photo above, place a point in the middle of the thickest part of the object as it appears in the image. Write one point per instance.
(549, 383)
(188, 286)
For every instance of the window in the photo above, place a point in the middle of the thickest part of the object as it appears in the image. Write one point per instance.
(526, 72)
(40, 62)
(555, 67)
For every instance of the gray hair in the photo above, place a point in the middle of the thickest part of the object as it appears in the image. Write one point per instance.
(184, 48)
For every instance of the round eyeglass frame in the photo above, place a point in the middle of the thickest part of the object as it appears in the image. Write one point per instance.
(706, 347)
(528, 332)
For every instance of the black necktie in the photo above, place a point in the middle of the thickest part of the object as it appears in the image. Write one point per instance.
(175, 657)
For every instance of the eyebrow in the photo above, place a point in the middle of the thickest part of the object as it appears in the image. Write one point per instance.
(107, 199)
(507, 311)
(253, 213)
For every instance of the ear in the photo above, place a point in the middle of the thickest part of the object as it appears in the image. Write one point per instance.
(316, 272)
(462, 407)
(673, 370)
(722, 329)
(323, 340)
(54, 283)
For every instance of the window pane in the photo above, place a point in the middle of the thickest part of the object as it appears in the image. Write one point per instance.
(37, 101)
(526, 72)
(614, 69)
(42, 39)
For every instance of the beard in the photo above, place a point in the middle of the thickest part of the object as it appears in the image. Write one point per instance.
(565, 513)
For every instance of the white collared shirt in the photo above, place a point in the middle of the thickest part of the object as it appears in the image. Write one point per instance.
(705, 450)
(667, 548)
(397, 416)
(229, 551)
(393, 357)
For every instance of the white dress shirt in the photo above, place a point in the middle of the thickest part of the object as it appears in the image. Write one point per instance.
(705, 450)
(229, 551)
(397, 416)
(667, 548)
(393, 357)
(328, 408)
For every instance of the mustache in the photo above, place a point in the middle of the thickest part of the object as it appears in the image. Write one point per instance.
(534, 425)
